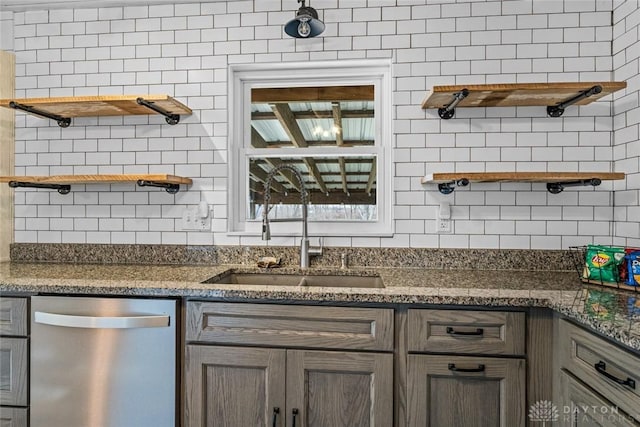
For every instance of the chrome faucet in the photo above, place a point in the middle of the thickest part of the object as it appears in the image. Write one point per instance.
(305, 249)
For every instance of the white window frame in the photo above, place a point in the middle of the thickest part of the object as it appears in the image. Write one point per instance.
(244, 77)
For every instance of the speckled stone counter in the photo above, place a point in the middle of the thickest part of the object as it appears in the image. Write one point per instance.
(613, 313)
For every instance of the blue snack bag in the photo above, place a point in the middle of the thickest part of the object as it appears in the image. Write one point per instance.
(633, 263)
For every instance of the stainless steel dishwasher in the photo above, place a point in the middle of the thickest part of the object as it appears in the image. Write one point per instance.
(103, 362)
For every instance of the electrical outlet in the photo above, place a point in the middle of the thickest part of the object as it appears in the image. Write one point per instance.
(443, 225)
(192, 220)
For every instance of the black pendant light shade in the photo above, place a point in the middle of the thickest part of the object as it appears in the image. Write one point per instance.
(306, 23)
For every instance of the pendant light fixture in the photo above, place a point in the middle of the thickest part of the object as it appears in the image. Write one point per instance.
(306, 23)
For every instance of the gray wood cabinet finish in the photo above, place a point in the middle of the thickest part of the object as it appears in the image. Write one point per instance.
(290, 325)
(13, 417)
(596, 362)
(240, 386)
(234, 386)
(467, 331)
(340, 389)
(540, 358)
(582, 407)
(13, 371)
(441, 397)
(14, 361)
(13, 317)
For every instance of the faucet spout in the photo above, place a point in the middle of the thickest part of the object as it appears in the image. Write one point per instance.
(305, 250)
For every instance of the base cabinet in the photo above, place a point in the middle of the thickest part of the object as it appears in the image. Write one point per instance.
(466, 368)
(239, 387)
(277, 365)
(14, 362)
(450, 391)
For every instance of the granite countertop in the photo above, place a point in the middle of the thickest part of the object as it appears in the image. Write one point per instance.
(613, 313)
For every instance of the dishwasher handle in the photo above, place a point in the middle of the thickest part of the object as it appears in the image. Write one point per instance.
(97, 322)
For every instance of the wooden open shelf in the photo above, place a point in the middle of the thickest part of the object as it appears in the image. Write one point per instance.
(96, 106)
(556, 181)
(518, 94)
(62, 183)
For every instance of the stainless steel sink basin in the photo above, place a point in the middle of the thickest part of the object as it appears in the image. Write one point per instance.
(267, 279)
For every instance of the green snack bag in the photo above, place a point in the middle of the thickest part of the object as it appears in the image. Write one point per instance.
(601, 263)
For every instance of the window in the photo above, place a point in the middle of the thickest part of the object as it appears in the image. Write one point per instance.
(331, 122)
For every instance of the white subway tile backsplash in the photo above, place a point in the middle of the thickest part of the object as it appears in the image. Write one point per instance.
(184, 50)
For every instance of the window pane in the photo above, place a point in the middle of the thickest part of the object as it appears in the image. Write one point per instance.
(339, 188)
(339, 116)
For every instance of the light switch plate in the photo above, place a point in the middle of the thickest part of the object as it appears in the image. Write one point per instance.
(443, 225)
(443, 218)
(192, 221)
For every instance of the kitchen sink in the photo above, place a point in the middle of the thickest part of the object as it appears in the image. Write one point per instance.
(268, 279)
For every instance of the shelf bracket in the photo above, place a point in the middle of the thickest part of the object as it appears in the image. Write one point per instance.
(557, 187)
(61, 188)
(169, 187)
(63, 122)
(448, 111)
(170, 118)
(558, 109)
(448, 187)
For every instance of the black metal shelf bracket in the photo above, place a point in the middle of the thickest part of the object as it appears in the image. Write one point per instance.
(557, 187)
(169, 187)
(558, 109)
(448, 111)
(61, 188)
(63, 122)
(170, 118)
(448, 187)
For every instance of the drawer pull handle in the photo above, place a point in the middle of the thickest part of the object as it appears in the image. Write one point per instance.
(452, 331)
(276, 411)
(452, 367)
(601, 367)
(294, 412)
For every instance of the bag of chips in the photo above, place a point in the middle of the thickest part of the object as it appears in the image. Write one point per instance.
(601, 263)
(633, 269)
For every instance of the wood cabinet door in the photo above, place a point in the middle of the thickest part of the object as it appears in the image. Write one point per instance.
(339, 389)
(454, 391)
(234, 387)
(14, 372)
(582, 407)
(13, 417)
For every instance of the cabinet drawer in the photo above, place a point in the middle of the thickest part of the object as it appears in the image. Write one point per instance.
(583, 407)
(13, 417)
(290, 325)
(13, 316)
(606, 368)
(466, 331)
(13, 371)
